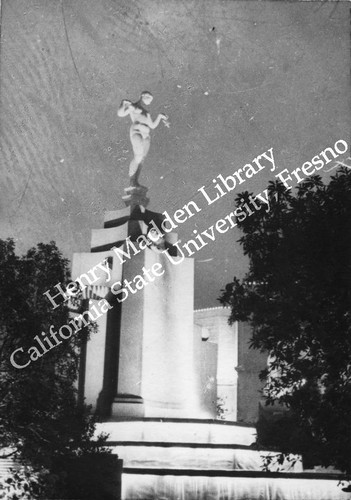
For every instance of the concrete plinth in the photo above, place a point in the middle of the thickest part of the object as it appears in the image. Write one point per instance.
(145, 343)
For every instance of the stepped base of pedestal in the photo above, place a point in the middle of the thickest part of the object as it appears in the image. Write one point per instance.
(125, 405)
(201, 460)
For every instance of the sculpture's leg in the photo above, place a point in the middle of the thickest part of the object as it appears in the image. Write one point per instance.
(141, 146)
(135, 165)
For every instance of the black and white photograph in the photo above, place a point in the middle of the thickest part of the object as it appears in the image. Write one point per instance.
(175, 250)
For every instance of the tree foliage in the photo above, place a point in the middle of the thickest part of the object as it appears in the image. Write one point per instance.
(41, 422)
(296, 296)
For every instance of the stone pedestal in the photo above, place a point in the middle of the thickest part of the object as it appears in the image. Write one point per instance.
(147, 335)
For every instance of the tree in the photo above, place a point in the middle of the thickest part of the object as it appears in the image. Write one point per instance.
(296, 296)
(41, 422)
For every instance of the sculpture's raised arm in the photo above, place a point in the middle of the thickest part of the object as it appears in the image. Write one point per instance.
(124, 108)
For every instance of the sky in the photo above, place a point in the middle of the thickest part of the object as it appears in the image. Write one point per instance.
(235, 78)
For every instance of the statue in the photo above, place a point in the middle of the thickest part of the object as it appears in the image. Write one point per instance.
(139, 131)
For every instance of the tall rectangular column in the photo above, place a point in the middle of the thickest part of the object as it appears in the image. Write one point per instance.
(128, 401)
(156, 373)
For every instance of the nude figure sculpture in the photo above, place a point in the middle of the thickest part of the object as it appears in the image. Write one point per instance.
(142, 123)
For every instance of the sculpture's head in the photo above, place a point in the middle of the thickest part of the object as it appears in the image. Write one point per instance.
(146, 97)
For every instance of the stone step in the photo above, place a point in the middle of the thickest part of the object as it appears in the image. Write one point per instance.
(179, 431)
(139, 455)
(166, 484)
